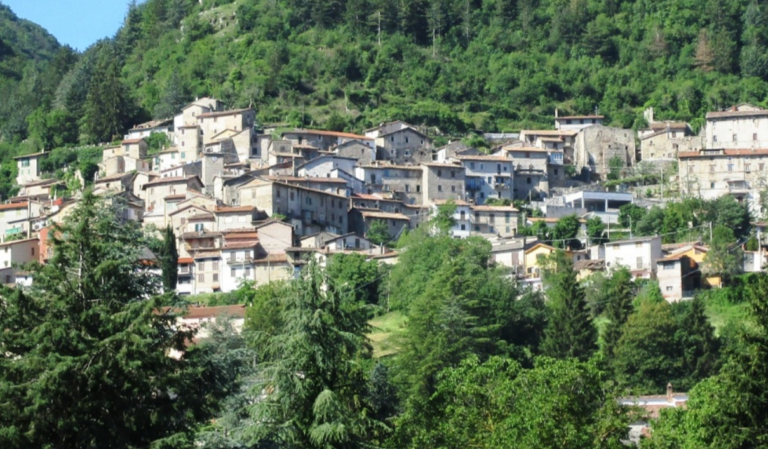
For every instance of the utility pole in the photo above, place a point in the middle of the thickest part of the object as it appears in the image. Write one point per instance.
(379, 28)
(710, 232)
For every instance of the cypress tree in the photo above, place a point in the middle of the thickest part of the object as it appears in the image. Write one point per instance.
(700, 346)
(169, 260)
(618, 309)
(570, 332)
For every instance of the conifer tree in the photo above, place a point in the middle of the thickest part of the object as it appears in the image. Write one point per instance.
(570, 332)
(84, 353)
(107, 103)
(618, 309)
(313, 383)
(169, 260)
(700, 345)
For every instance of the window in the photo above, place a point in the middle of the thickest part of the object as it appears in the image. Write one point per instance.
(711, 185)
(439, 173)
(33, 251)
(711, 168)
(357, 243)
(472, 165)
(754, 136)
(528, 154)
(453, 188)
(406, 140)
(183, 155)
(477, 228)
(247, 272)
(407, 153)
(735, 137)
(761, 166)
(439, 188)
(463, 227)
(492, 218)
(291, 196)
(527, 180)
(555, 172)
(215, 264)
(639, 263)
(669, 266)
(407, 188)
(748, 168)
(418, 188)
(453, 173)
(233, 272)
(215, 277)
(714, 138)
(730, 167)
(669, 288)
(201, 278)
(309, 201)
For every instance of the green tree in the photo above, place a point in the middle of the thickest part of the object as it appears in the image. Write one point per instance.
(356, 272)
(630, 215)
(565, 231)
(728, 409)
(312, 374)
(173, 98)
(619, 296)
(85, 352)
(646, 356)
(378, 232)
(570, 332)
(444, 220)
(724, 257)
(264, 314)
(699, 344)
(107, 106)
(500, 404)
(595, 231)
(169, 260)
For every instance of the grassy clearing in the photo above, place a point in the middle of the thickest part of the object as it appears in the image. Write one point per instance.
(721, 313)
(386, 328)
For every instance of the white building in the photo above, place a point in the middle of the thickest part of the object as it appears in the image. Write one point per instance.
(739, 127)
(576, 122)
(462, 217)
(323, 166)
(638, 254)
(16, 253)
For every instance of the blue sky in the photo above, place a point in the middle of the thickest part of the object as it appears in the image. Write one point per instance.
(78, 23)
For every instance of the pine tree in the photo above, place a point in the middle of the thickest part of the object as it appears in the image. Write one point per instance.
(570, 331)
(84, 360)
(701, 348)
(107, 104)
(313, 384)
(169, 260)
(618, 309)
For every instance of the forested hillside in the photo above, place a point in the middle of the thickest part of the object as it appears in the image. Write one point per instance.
(456, 65)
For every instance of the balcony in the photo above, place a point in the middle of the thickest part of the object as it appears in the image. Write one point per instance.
(502, 186)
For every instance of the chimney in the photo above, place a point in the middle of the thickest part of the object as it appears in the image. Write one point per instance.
(670, 396)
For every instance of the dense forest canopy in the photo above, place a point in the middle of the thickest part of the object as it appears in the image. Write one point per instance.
(454, 65)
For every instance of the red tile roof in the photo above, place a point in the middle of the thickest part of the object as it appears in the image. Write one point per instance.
(236, 311)
(131, 141)
(13, 206)
(223, 113)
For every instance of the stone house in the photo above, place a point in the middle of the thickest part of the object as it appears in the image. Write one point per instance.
(29, 167)
(564, 140)
(157, 190)
(322, 166)
(337, 186)
(739, 127)
(190, 113)
(662, 140)
(236, 120)
(309, 210)
(385, 179)
(576, 122)
(317, 240)
(498, 220)
(349, 242)
(355, 149)
(16, 252)
(189, 141)
(442, 182)
(323, 140)
(238, 254)
(135, 148)
(121, 182)
(711, 173)
(488, 177)
(189, 169)
(207, 271)
(144, 130)
(531, 165)
(596, 146)
(401, 143)
(234, 218)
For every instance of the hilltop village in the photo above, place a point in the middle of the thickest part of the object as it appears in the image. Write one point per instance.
(250, 202)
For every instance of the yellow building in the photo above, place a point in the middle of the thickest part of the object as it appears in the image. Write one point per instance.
(698, 254)
(532, 255)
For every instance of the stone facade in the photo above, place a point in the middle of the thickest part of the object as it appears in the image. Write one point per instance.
(597, 145)
(442, 182)
(713, 173)
(403, 180)
(355, 149)
(488, 177)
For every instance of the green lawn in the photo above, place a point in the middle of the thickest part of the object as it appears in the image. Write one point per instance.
(721, 313)
(384, 335)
